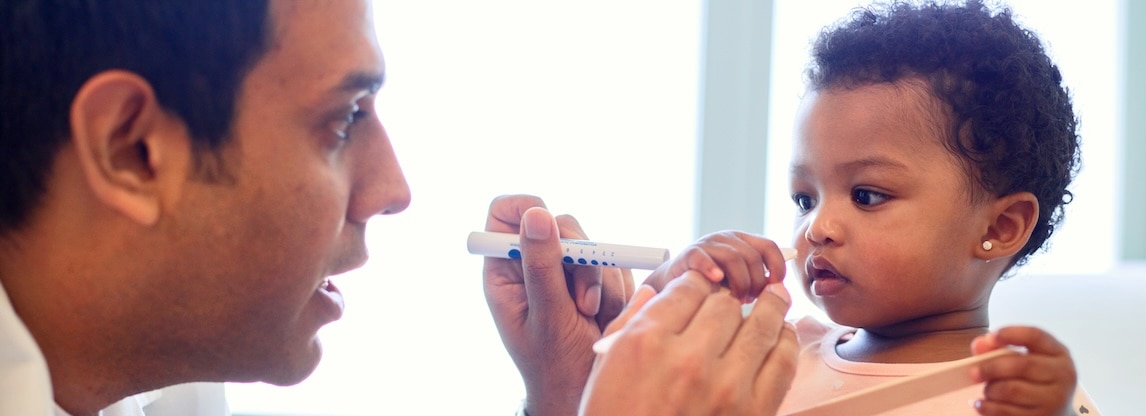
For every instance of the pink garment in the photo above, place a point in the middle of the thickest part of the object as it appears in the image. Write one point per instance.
(821, 374)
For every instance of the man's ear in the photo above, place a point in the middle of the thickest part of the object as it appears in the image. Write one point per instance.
(1014, 218)
(130, 150)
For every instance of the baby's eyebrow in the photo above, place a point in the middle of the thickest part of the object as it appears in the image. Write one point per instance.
(873, 162)
(798, 171)
(801, 170)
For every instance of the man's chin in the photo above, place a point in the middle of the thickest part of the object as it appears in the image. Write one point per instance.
(294, 368)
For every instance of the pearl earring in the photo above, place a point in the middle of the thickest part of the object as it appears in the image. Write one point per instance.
(987, 245)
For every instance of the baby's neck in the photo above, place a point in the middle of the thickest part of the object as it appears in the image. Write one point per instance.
(921, 347)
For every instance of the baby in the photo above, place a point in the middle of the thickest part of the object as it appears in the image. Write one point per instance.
(933, 152)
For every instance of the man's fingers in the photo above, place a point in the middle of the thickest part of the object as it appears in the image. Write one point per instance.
(540, 258)
(630, 285)
(587, 285)
(761, 329)
(613, 296)
(775, 376)
(714, 324)
(679, 301)
(636, 303)
(505, 212)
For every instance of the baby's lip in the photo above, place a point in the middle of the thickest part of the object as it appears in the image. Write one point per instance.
(821, 268)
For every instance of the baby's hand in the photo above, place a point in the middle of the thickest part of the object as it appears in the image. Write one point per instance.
(1040, 382)
(743, 261)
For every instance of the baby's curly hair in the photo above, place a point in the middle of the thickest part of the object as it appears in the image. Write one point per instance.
(1013, 125)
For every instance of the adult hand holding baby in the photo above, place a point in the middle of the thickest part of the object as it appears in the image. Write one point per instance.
(689, 351)
(686, 351)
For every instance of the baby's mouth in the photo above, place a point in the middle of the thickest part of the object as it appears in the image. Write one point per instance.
(826, 281)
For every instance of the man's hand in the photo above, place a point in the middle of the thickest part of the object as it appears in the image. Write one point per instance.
(689, 352)
(549, 314)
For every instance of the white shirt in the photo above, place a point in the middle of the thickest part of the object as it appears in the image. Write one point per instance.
(26, 386)
(24, 381)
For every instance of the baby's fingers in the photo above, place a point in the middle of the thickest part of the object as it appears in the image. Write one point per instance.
(1019, 397)
(997, 408)
(692, 258)
(1035, 340)
(1019, 393)
(1031, 368)
(1046, 361)
(1040, 382)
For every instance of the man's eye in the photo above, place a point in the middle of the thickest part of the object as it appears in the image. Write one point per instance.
(803, 202)
(342, 127)
(868, 198)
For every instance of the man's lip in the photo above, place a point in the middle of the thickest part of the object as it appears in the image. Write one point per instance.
(333, 300)
(327, 285)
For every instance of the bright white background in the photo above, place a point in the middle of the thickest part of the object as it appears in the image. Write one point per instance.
(590, 105)
(593, 106)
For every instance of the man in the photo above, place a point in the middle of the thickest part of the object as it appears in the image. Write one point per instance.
(179, 179)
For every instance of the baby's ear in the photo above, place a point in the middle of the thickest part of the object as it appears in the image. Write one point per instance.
(1013, 219)
(132, 153)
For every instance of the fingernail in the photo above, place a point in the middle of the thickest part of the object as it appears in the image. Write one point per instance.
(537, 226)
(593, 300)
(780, 291)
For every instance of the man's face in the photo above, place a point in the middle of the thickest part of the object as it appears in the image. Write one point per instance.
(308, 164)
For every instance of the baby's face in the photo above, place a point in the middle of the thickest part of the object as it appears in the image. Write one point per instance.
(886, 229)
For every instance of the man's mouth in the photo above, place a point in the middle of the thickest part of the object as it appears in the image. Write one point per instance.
(332, 300)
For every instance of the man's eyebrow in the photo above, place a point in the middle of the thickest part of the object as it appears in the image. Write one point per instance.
(361, 81)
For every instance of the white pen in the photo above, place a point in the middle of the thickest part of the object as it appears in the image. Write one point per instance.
(602, 345)
(583, 252)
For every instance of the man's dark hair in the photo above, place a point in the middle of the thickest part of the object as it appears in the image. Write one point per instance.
(194, 53)
(1012, 122)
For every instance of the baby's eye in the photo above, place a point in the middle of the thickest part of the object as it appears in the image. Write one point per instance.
(868, 198)
(803, 202)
